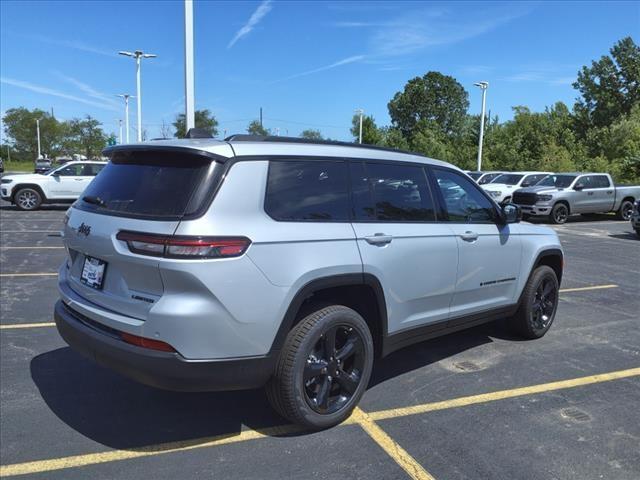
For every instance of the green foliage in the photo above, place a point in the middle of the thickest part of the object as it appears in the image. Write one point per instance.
(20, 127)
(370, 132)
(83, 136)
(610, 88)
(312, 134)
(435, 98)
(203, 119)
(254, 128)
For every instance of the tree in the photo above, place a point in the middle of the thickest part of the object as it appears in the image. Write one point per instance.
(84, 136)
(20, 128)
(255, 128)
(204, 119)
(165, 130)
(311, 134)
(435, 98)
(370, 132)
(610, 88)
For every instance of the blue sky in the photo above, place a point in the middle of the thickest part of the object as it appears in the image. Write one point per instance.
(308, 64)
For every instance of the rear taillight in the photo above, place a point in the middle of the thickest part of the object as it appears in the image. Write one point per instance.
(184, 247)
(146, 342)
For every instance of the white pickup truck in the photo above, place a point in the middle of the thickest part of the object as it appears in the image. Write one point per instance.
(61, 185)
(502, 187)
(562, 194)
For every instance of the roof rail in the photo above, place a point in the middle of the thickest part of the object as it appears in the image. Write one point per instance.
(309, 141)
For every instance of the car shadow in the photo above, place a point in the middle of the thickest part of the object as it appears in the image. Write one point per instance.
(595, 217)
(122, 414)
(626, 236)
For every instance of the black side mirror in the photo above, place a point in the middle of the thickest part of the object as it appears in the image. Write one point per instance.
(511, 213)
(525, 184)
(578, 186)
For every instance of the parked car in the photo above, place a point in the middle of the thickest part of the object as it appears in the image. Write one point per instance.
(42, 165)
(635, 217)
(291, 264)
(62, 185)
(484, 177)
(502, 187)
(562, 194)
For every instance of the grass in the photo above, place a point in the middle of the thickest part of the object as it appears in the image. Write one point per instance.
(25, 166)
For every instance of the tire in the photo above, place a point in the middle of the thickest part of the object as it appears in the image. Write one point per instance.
(538, 304)
(559, 214)
(625, 211)
(308, 351)
(638, 232)
(27, 199)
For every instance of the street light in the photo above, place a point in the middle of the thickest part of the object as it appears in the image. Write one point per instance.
(38, 135)
(360, 112)
(483, 86)
(138, 54)
(126, 97)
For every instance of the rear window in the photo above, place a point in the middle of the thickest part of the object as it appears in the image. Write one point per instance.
(307, 190)
(151, 184)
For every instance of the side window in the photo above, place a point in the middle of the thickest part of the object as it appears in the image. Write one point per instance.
(361, 194)
(400, 193)
(69, 171)
(463, 200)
(588, 181)
(531, 180)
(307, 190)
(95, 169)
(602, 181)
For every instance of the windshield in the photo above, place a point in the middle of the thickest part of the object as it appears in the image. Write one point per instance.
(475, 175)
(558, 181)
(508, 178)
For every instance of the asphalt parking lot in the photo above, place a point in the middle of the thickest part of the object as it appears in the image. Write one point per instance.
(473, 405)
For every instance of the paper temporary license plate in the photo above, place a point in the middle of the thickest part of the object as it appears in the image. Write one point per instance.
(93, 272)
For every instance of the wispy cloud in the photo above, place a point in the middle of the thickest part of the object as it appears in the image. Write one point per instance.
(548, 73)
(339, 63)
(56, 93)
(74, 44)
(257, 16)
(89, 90)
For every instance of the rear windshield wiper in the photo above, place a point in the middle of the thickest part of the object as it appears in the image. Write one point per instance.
(95, 200)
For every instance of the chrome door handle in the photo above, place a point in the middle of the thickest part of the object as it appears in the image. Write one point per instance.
(378, 239)
(469, 236)
(609, 192)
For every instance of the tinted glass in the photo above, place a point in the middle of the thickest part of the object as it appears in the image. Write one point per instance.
(361, 194)
(531, 180)
(463, 199)
(507, 178)
(601, 181)
(559, 181)
(475, 175)
(158, 185)
(401, 193)
(587, 181)
(95, 169)
(307, 190)
(70, 170)
(489, 177)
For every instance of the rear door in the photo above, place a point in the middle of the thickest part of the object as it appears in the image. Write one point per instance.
(489, 253)
(145, 192)
(604, 193)
(414, 257)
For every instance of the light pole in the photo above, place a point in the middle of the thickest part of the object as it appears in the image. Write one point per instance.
(38, 135)
(126, 97)
(189, 101)
(120, 126)
(360, 112)
(483, 86)
(138, 54)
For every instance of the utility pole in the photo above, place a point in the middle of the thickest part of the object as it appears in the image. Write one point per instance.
(138, 55)
(190, 119)
(483, 86)
(120, 125)
(360, 112)
(38, 135)
(126, 97)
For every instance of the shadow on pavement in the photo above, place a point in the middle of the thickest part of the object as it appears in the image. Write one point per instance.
(122, 414)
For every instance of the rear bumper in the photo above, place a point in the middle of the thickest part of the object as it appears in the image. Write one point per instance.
(169, 371)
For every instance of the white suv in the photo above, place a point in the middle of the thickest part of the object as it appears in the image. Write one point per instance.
(60, 185)
(210, 265)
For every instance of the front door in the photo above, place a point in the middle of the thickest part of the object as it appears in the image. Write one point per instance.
(489, 252)
(400, 242)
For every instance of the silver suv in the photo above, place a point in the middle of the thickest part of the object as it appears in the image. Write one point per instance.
(215, 265)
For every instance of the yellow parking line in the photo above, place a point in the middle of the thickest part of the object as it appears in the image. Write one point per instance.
(74, 461)
(31, 248)
(395, 451)
(14, 326)
(503, 394)
(28, 274)
(584, 289)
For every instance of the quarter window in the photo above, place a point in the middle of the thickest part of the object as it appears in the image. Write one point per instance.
(307, 190)
(400, 194)
(463, 200)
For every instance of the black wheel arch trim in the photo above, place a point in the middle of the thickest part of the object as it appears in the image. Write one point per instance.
(32, 186)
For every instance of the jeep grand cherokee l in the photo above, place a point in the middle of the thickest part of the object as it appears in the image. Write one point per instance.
(199, 264)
